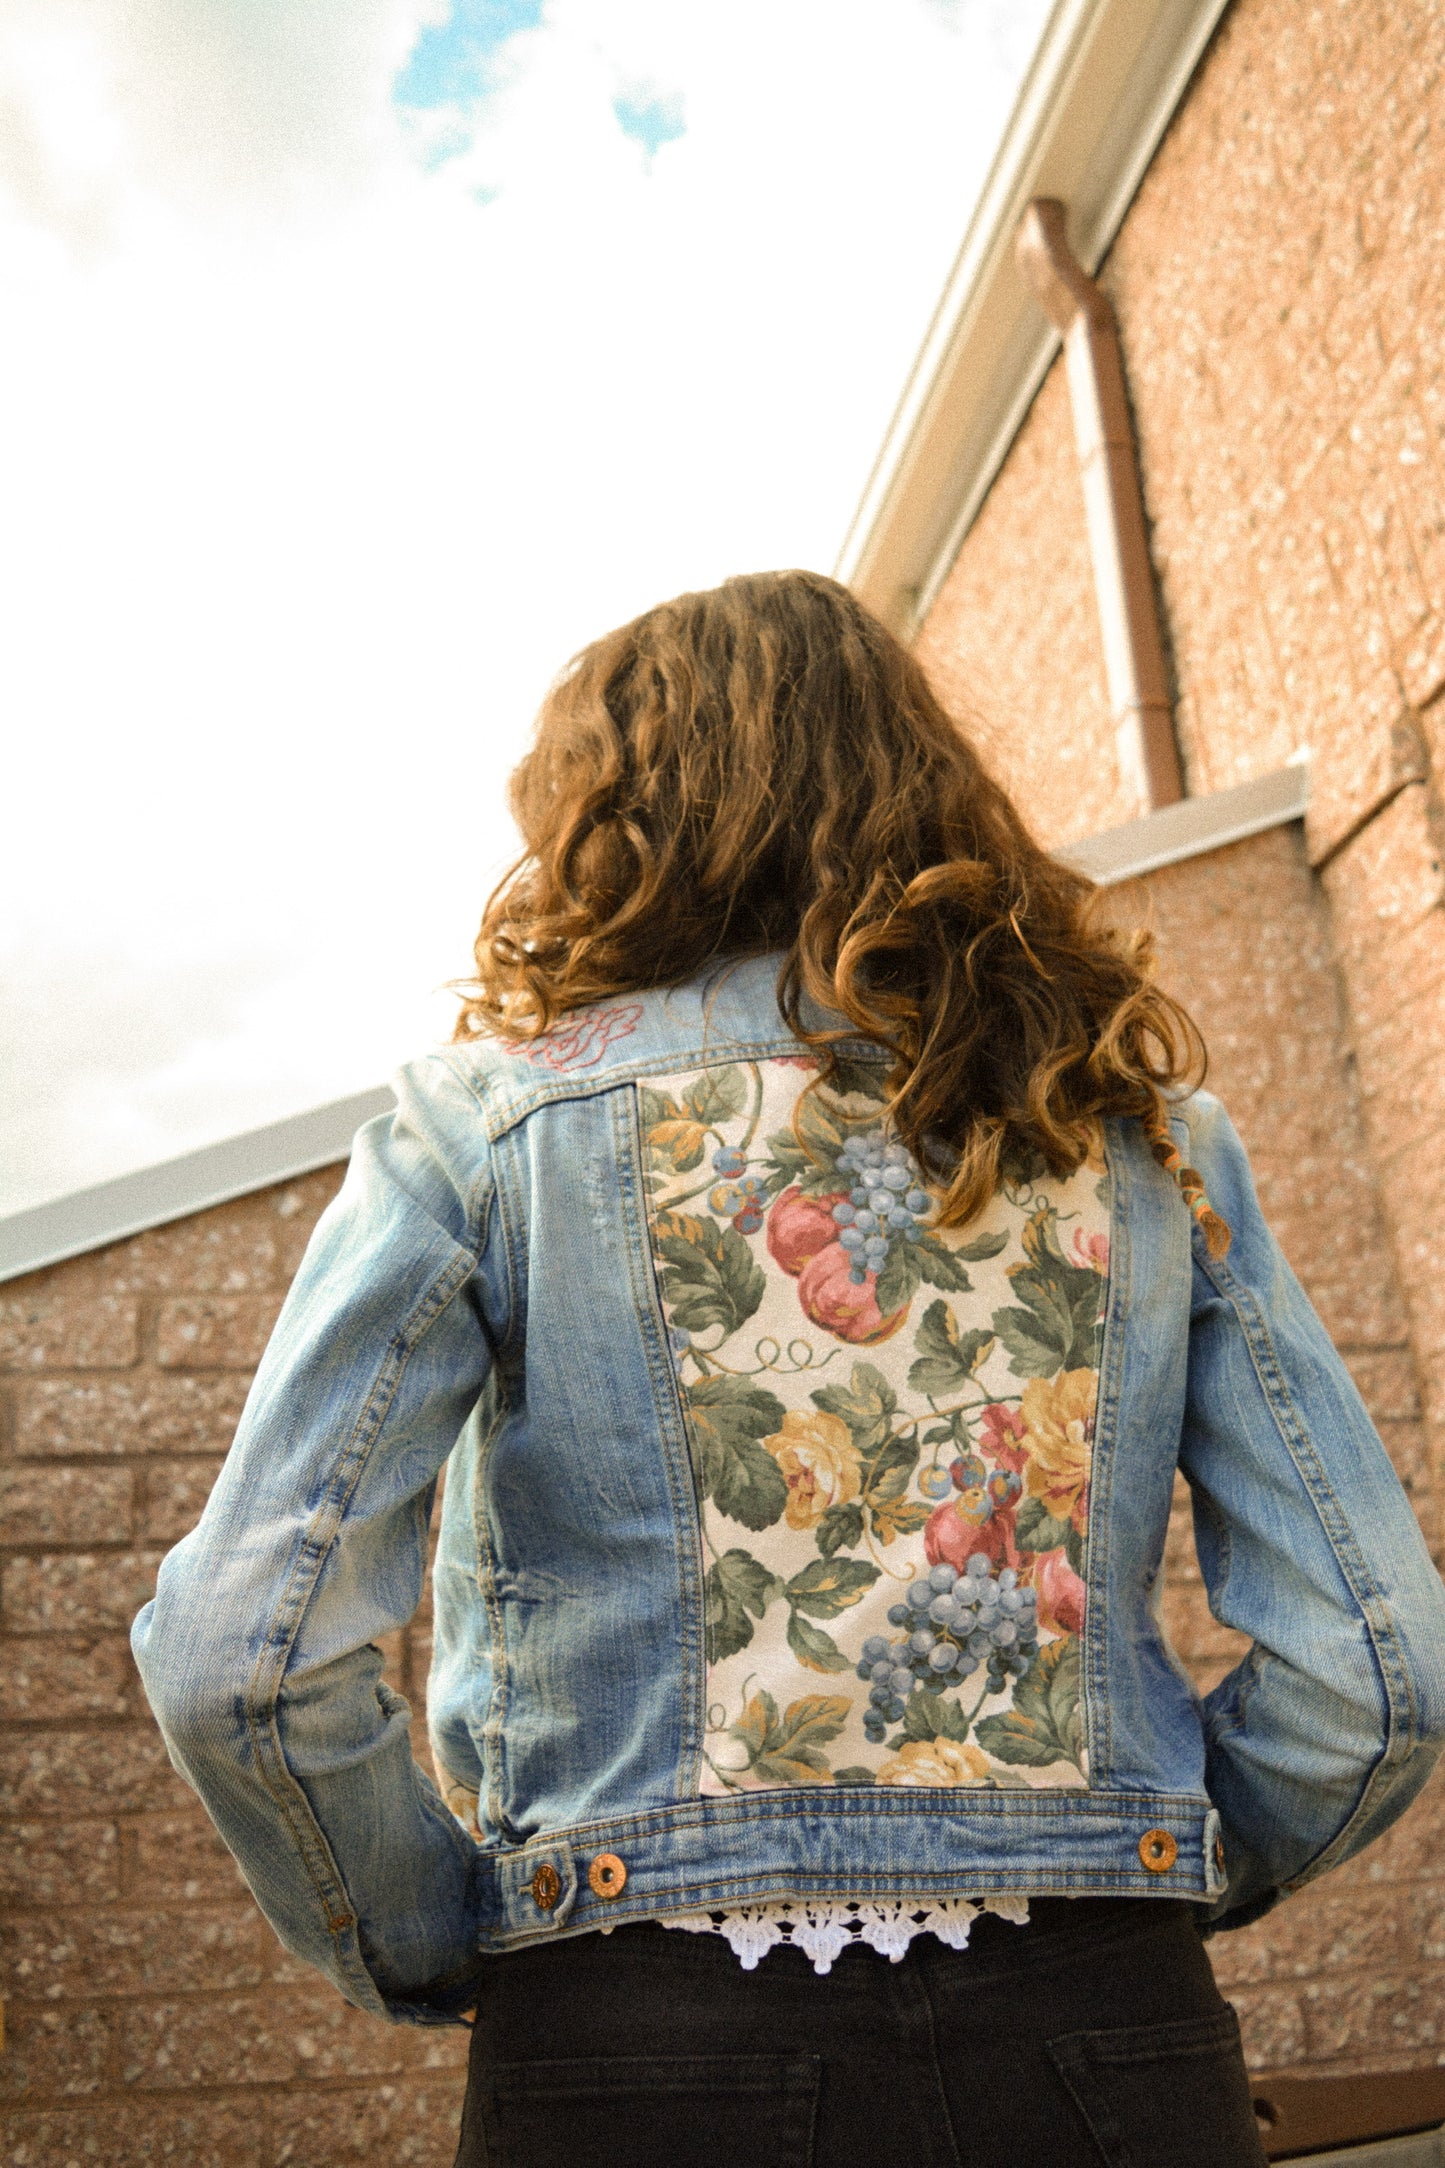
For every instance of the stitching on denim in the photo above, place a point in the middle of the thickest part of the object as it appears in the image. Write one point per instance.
(262, 1714)
(1097, 1561)
(506, 1108)
(493, 1753)
(672, 1423)
(510, 1220)
(1401, 1731)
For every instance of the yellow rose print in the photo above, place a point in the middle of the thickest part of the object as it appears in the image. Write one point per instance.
(819, 1462)
(1058, 1416)
(935, 1761)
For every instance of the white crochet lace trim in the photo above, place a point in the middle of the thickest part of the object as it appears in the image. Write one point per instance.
(823, 1930)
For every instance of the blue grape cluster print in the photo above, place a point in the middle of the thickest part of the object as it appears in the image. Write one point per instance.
(739, 1196)
(887, 1201)
(956, 1623)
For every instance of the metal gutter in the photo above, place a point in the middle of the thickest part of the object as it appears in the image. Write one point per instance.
(1102, 89)
(89, 1219)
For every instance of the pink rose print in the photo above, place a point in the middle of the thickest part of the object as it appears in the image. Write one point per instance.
(953, 1534)
(581, 1041)
(1061, 1594)
(798, 1227)
(1003, 1436)
(1091, 1252)
(803, 1239)
(833, 1299)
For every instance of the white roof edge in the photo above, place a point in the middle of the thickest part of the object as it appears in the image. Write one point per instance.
(1192, 827)
(106, 1212)
(1102, 88)
(90, 1219)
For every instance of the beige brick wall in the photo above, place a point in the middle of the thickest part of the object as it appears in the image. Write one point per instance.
(151, 2014)
(1279, 282)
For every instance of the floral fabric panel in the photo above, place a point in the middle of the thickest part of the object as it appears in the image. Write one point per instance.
(891, 1426)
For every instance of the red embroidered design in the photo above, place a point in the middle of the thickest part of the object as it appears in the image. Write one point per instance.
(581, 1042)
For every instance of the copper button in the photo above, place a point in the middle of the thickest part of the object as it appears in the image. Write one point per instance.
(607, 1875)
(1158, 1850)
(546, 1886)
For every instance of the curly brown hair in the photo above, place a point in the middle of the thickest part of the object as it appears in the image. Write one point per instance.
(764, 767)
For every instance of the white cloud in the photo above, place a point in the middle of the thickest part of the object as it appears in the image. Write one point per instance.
(326, 466)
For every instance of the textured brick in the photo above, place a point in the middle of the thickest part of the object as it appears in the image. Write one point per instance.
(1387, 1382)
(1376, 2023)
(1273, 2024)
(119, 1771)
(409, 2124)
(59, 1863)
(141, 1414)
(207, 2134)
(221, 2040)
(61, 1679)
(55, 2054)
(115, 1952)
(48, 1326)
(76, 1592)
(173, 1495)
(214, 1332)
(65, 1505)
(177, 1856)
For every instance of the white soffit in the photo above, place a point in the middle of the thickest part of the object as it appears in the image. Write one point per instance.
(1098, 97)
(88, 1219)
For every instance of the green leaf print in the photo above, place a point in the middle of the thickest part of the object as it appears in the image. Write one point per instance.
(839, 1529)
(854, 1774)
(897, 1283)
(736, 1585)
(711, 1276)
(827, 1586)
(811, 1646)
(947, 1358)
(1059, 1327)
(940, 1266)
(727, 1417)
(1044, 1725)
(897, 1517)
(865, 1404)
(673, 1141)
(787, 1750)
(717, 1096)
(928, 1716)
(981, 1248)
(1037, 1530)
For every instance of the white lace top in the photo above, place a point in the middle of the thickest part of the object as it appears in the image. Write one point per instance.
(823, 1931)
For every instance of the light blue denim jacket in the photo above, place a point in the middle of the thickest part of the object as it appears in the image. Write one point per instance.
(484, 1290)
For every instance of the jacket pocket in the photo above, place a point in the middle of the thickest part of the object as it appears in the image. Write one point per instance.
(1164, 2096)
(652, 2111)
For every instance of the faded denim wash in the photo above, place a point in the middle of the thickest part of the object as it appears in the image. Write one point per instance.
(481, 1293)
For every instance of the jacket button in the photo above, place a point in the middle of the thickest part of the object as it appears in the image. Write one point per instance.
(1158, 1850)
(607, 1875)
(546, 1886)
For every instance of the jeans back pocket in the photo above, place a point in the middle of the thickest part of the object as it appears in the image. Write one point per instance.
(1164, 2096)
(650, 2111)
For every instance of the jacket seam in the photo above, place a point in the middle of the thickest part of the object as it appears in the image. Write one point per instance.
(262, 1709)
(1098, 1727)
(692, 1599)
(492, 1756)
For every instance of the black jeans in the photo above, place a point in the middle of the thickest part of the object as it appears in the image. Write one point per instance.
(1095, 2034)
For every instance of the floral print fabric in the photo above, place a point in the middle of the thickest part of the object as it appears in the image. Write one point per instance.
(891, 1427)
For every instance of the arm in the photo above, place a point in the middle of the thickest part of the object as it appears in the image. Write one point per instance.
(1329, 1727)
(258, 1652)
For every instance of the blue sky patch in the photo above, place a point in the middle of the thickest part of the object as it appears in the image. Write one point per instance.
(650, 116)
(451, 62)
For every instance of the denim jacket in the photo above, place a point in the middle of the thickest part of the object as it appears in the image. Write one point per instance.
(791, 1545)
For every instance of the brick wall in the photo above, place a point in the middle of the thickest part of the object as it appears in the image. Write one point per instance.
(1279, 282)
(151, 2014)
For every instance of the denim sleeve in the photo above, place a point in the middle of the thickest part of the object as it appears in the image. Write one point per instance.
(1325, 1732)
(259, 1651)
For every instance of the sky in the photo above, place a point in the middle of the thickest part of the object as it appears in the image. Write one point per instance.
(364, 359)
